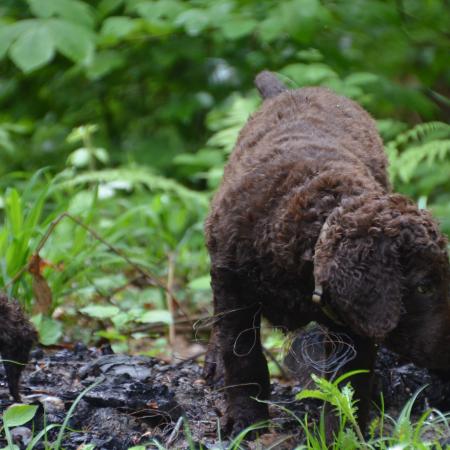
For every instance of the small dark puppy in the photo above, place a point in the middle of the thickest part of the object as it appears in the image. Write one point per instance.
(17, 336)
(305, 228)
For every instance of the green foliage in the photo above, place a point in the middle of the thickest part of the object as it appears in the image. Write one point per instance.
(22, 221)
(341, 399)
(117, 64)
(429, 142)
(420, 166)
(385, 433)
(15, 416)
(18, 414)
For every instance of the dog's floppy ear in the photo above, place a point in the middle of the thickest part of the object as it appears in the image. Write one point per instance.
(361, 279)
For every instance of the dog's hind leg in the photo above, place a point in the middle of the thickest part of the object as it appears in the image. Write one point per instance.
(238, 340)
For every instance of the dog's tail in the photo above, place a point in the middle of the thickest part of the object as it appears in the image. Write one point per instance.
(268, 84)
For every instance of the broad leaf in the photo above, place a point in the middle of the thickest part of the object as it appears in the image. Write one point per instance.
(157, 315)
(100, 311)
(17, 415)
(193, 20)
(49, 330)
(71, 10)
(200, 284)
(73, 41)
(10, 32)
(34, 48)
(42, 8)
(106, 7)
(118, 27)
(238, 27)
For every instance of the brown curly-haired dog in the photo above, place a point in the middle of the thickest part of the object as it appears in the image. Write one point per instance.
(17, 335)
(304, 228)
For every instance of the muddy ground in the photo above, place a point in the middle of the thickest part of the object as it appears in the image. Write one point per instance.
(141, 400)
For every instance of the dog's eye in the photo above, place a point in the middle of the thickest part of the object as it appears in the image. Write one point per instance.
(424, 288)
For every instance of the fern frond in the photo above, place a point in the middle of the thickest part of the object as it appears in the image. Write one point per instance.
(421, 132)
(427, 142)
(136, 176)
(431, 152)
(228, 123)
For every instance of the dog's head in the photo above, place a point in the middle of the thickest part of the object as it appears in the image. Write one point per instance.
(383, 267)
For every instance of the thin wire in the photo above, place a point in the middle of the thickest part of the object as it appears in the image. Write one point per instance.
(337, 350)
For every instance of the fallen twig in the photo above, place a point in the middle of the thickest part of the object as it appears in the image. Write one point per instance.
(169, 299)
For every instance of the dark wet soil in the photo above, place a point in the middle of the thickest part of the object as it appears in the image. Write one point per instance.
(140, 400)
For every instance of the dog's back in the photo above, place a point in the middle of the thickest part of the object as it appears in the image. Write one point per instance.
(293, 137)
(305, 124)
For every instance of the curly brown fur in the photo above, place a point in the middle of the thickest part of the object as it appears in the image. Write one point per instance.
(17, 335)
(310, 163)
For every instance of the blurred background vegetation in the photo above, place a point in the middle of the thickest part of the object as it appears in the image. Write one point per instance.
(123, 113)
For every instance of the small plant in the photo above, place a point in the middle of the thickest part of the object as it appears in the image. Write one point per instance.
(345, 406)
(18, 414)
(385, 433)
(87, 155)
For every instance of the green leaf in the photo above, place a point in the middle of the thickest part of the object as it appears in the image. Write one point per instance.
(49, 329)
(42, 8)
(120, 319)
(106, 7)
(238, 27)
(201, 283)
(100, 311)
(9, 32)
(103, 63)
(101, 154)
(159, 11)
(6, 142)
(269, 29)
(118, 27)
(17, 415)
(156, 315)
(362, 78)
(73, 41)
(33, 49)
(81, 133)
(81, 157)
(349, 375)
(308, 74)
(75, 11)
(111, 335)
(202, 159)
(309, 393)
(71, 10)
(194, 21)
(14, 211)
(310, 55)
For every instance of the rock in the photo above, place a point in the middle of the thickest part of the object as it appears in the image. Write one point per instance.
(137, 367)
(153, 403)
(21, 436)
